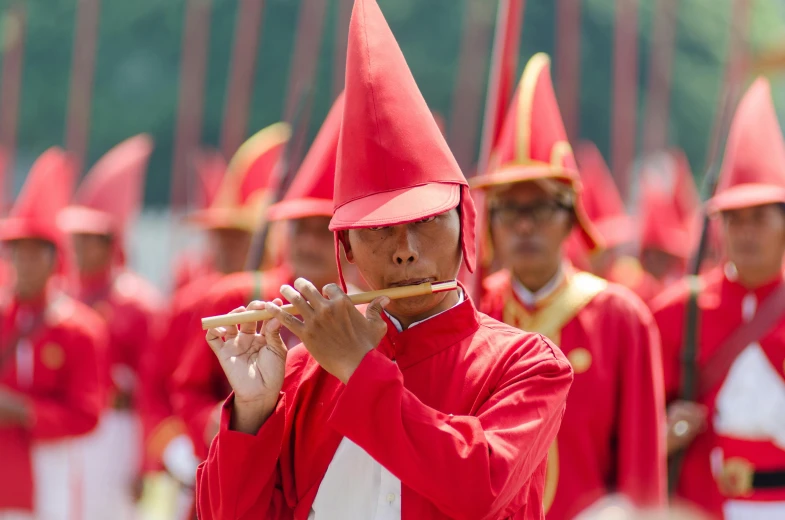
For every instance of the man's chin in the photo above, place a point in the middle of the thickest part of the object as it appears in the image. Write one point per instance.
(415, 307)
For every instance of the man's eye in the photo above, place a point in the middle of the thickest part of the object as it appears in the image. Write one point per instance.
(426, 220)
(375, 228)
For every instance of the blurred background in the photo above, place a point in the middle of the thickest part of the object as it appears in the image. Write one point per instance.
(632, 76)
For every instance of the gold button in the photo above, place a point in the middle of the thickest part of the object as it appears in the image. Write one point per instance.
(580, 359)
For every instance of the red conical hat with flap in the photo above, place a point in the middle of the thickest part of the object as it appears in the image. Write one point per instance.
(662, 226)
(601, 198)
(533, 143)
(45, 193)
(753, 168)
(393, 165)
(112, 192)
(311, 192)
(248, 184)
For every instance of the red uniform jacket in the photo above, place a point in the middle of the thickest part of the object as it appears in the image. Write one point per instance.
(159, 421)
(56, 368)
(460, 408)
(199, 384)
(133, 307)
(721, 312)
(611, 439)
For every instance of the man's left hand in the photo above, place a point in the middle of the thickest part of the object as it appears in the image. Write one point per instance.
(336, 334)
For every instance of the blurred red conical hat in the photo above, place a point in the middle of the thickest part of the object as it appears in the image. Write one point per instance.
(753, 168)
(533, 144)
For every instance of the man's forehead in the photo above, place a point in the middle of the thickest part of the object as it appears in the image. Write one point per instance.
(541, 189)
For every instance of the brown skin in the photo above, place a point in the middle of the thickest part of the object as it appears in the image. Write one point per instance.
(661, 264)
(231, 249)
(336, 334)
(34, 262)
(755, 242)
(93, 252)
(531, 251)
(311, 250)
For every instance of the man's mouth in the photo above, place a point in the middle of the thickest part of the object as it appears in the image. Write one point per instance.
(412, 281)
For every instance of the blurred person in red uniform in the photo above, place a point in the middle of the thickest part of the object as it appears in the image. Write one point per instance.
(98, 220)
(422, 407)
(611, 439)
(669, 212)
(51, 356)
(229, 221)
(617, 261)
(733, 432)
(200, 386)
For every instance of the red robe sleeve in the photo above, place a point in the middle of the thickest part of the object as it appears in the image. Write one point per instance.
(432, 452)
(641, 472)
(239, 480)
(75, 410)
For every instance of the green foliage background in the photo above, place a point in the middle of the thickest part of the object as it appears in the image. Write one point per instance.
(138, 62)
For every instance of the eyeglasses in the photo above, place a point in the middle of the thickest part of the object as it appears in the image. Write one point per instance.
(539, 213)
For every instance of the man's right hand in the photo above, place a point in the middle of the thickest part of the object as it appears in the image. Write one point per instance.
(686, 420)
(254, 364)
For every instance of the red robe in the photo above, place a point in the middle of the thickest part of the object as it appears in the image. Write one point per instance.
(133, 307)
(611, 438)
(160, 423)
(721, 303)
(460, 408)
(199, 384)
(56, 368)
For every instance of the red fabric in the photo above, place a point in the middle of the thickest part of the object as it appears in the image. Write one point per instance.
(610, 439)
(250, 178)
(393, 165)
(134, 309)
(46, 191)
(533, 143)
(112, 192)
(159, 422)
(198, 383)
(463, 417)
(190, 266)
(311, 192)
(720, 304)
(210, 168)
(64, 395)
(753, 168)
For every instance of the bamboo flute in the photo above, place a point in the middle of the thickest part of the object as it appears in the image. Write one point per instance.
(394, 293)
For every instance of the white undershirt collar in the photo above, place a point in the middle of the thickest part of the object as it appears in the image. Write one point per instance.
(530, 298)
(399, 327)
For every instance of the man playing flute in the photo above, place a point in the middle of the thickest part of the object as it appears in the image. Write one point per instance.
(418, 408)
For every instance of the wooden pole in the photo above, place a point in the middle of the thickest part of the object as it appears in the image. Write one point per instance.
(302, 72)
(10, 93)
(736, 66)
(241, 75)
(568, 63)
(657, 118)
(504, 63)
(625, 92)
(80, 93)
(467, 97)
(341, 45)
(190, 106)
